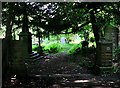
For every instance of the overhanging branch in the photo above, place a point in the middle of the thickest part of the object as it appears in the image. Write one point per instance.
(78, 28)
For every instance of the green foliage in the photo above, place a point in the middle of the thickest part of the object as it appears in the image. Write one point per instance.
(85, 57)
(117, 51)
(115, 65)
(74, 48)
(86, 62)
(52, 47)
(34, 47)
(59, 17)
(87, 51)
(114, 69)
(113, 22)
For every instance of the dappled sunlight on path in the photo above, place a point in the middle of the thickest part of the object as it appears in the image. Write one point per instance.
(65, 73)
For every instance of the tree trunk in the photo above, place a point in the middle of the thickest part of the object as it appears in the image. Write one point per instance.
(96, 35)
(48, 35)
(25, 19)
(7, 49)
(94, 27)
(9, 25)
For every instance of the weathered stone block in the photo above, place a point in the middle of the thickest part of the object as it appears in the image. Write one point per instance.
(105, 53)
(26, 39)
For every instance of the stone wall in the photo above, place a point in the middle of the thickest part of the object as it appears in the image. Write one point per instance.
(18, 49)
(19, 53)
(0, 63)
(6, 53)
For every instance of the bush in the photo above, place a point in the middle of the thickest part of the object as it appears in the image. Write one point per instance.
(86, 62)
(74, 49)
(117, 51)
(52, 47)
(34, 47)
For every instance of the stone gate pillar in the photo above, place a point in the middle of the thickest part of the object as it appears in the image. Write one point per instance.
(111, 34)
(26, 39)
(106, 47)
(25, 35)
(21, 49)
(105, 53)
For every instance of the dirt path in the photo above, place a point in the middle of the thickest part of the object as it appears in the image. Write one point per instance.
(60, 72)
(65, 73)
(58, 64)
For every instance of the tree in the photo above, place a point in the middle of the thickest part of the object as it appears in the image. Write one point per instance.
(56, 18)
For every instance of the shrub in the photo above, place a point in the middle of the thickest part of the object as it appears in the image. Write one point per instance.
(52, 47)
(74, 49)
(117, 51)
(34, 47)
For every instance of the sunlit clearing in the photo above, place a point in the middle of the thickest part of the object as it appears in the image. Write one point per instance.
(75, 42)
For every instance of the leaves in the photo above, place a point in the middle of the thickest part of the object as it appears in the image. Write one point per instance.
(58, 17)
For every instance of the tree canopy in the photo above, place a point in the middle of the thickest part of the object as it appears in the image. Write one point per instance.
(58, 17)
